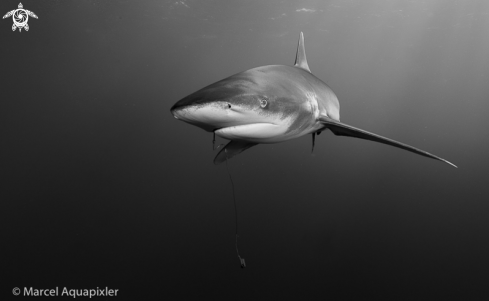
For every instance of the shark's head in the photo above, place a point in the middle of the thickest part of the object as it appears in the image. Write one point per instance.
(233, 101)
(267, 104)
(254, 105)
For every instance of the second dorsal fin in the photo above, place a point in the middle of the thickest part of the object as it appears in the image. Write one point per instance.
(300, 57)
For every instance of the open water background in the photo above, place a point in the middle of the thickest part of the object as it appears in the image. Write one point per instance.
(101, 186)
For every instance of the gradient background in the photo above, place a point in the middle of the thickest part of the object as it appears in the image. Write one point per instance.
(101, 186)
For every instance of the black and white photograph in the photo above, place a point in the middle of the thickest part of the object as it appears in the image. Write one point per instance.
(244, 149)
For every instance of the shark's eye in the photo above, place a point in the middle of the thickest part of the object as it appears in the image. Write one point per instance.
(263, 101)
(229, 106)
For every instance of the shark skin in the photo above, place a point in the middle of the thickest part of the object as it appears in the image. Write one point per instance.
(271, 104)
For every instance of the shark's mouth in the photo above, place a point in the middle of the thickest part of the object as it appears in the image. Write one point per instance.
(251, 132)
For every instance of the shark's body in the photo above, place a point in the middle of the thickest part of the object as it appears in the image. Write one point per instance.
(271, 104)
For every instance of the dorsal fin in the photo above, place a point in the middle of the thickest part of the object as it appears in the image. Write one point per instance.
(300, 57)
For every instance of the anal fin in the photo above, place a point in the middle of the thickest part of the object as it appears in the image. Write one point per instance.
(341, 129)
(233, 148)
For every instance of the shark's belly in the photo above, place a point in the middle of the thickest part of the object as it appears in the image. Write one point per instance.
(278, 130)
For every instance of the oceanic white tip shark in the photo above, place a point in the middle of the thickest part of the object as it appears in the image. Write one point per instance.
(271, 104)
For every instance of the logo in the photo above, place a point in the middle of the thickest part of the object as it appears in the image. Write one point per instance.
(20, 17)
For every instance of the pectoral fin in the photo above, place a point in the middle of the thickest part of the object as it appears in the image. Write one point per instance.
(341, 129)
(233, 148)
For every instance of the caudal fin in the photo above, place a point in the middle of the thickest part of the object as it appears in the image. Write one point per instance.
(341, 129)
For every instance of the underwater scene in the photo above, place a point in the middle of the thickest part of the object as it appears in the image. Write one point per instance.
(245, 150)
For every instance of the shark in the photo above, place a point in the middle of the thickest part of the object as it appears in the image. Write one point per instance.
(272, 104)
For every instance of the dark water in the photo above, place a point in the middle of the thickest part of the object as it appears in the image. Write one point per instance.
(102, 187)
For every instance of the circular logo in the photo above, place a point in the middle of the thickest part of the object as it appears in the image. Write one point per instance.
(16, 291)
(20, 18)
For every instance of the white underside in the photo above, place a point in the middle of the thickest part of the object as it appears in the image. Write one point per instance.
(255, 132)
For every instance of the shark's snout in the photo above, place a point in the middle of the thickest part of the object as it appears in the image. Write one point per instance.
(193, 115)
(178, 109)
(176, 112)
